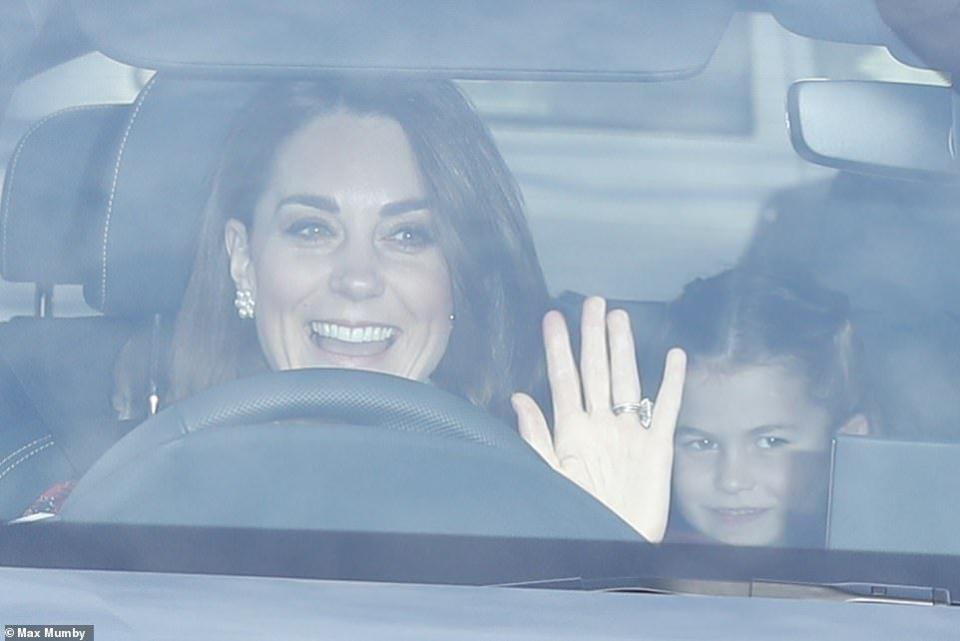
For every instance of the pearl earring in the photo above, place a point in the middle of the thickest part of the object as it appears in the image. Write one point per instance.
(244, 303)
(452, 317)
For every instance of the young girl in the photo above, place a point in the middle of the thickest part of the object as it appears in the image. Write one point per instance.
(771, 380)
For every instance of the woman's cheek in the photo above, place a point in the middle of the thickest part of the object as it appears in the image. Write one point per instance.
(425, 286)
(288, 276)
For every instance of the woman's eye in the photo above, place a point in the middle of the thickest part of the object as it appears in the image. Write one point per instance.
(411, 237)
(701, 445)
(310, 230)
(771, 442)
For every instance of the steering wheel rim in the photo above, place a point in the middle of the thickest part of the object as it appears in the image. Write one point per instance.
(339, 395)
(345, 396)
(399, 456)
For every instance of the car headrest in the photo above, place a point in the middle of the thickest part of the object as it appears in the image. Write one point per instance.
(57, 181)
(647, 320)
(167, 153)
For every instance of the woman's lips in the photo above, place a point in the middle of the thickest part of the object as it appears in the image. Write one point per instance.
(353, 340)
(341, 348)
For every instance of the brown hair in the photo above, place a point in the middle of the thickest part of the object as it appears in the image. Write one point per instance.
(744, 316)
(498, 287)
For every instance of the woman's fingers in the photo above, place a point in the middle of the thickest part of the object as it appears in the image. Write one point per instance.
(561, 367)
(624, 375)
(594, 360)
(667, 408)
(533, 427)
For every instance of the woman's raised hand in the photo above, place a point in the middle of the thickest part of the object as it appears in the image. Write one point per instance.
(614, 457)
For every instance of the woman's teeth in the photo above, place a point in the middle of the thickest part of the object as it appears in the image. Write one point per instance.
(359, 334)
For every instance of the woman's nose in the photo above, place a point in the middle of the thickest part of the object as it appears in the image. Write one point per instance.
(734, 473)
(357, 275)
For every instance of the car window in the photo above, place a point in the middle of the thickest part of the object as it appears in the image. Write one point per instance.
(817, 307)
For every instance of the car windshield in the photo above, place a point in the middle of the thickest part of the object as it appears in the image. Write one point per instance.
(230, 251)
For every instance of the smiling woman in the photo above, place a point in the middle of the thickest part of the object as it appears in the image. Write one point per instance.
(368, 224)
(341, 259)
(372, 224)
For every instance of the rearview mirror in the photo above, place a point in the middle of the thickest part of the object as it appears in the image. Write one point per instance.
(881, 128)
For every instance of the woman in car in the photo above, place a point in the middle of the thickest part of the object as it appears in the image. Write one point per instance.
(772, 379)
(373, 224)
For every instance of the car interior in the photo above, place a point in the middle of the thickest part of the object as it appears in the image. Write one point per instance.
(106, 198)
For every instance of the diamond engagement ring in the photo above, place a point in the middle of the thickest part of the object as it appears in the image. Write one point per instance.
(643, 410)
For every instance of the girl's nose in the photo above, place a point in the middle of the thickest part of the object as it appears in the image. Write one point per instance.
(734, 473)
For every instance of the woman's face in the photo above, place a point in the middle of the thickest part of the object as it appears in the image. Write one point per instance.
(747, 439)
(342, 260)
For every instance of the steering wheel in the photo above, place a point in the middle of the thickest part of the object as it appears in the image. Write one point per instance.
(335, 449)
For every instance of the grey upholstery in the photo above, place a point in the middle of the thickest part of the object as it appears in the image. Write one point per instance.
(56, 374)
(57, 179)
(56, 379)
(647, 320)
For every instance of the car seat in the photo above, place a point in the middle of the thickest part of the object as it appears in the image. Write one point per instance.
(891, 247)
(109, 197)
(55, 373)
(648, 322)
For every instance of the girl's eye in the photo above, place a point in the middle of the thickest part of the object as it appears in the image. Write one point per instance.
(701, 445)
(411, 237)
(771, 442)
(310, 230)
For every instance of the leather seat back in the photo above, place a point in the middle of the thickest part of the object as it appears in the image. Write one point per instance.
(56, 374)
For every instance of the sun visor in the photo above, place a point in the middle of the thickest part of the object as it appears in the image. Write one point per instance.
(635, 39)
(850, 21)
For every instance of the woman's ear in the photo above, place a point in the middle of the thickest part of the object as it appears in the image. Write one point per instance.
(238, 248)
(858, 425)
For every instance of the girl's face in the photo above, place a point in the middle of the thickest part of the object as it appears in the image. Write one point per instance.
(745, 438)
(342, 259)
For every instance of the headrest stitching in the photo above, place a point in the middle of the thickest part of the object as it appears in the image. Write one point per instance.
(25, 447)
(113, 188)
(8, 181)
(25, 457)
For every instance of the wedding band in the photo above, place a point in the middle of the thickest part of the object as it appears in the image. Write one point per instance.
(643, 410)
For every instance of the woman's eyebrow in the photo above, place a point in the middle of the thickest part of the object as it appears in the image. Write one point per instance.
(404, 206)
(315, 201)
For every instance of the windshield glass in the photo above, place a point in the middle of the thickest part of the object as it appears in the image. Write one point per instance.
(783, 373)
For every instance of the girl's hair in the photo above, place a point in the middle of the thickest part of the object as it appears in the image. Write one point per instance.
(744, 317)
(499, 291)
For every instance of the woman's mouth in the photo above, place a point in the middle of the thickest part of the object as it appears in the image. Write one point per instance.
(354, 339)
